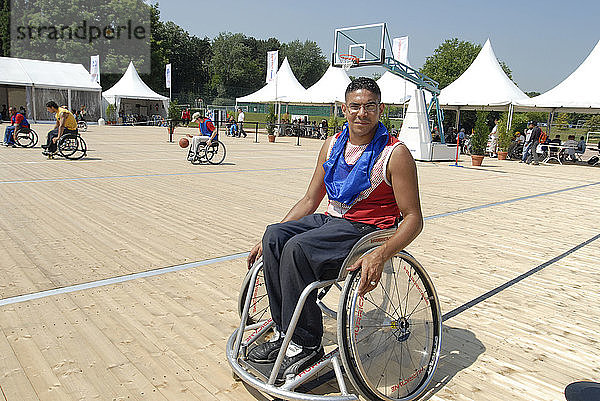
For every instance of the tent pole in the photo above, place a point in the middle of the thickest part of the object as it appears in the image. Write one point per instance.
(550, 121)
(511, 110)
(457, 118)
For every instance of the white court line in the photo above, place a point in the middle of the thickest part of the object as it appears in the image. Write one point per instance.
(115, 280)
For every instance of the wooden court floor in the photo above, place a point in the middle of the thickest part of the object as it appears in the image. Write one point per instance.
(86, 313)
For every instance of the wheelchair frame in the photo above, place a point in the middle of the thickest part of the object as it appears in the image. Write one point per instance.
(70, 146)
(348, 356)
(26, 138)
(208, 154)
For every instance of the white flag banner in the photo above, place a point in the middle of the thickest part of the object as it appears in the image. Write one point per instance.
(400, 49)
(168, 75)
(272, 65)
(95, 68)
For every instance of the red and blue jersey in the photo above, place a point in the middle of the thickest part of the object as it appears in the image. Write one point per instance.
(20, 120)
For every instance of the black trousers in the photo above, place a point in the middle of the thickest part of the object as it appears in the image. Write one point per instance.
(50, 145)
(297, 253)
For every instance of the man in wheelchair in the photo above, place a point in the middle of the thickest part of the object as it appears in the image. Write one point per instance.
(65, 124)
(18, 122)
(370, 179)
(208, 133)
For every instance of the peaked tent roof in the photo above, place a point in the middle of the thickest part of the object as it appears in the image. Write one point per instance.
(484, 83)
(131, 86)
(45, 74)
(579, 92)
(331, 88)
(284, 88)
(394, 88)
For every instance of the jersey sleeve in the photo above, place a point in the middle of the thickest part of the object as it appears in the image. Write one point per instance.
(210, 126)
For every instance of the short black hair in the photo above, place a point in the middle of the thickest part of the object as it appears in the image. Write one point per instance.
(52, 104)
(364, 83)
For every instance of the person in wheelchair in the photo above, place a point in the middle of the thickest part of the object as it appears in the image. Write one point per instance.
(65, 124)
(18, 122)
(208, 133)
(370, 179)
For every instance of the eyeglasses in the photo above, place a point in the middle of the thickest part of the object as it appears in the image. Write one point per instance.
(369, 107)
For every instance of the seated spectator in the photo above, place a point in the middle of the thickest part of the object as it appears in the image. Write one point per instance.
(555, 141)
(581, 145)
(570, 147)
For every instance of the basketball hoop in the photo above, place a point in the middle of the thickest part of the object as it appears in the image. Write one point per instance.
(348, 60)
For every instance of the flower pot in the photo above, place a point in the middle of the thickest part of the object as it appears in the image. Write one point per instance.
(502, 155)
(476, 160)
(271, 138)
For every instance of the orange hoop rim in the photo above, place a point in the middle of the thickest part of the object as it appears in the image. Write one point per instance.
(349, 57)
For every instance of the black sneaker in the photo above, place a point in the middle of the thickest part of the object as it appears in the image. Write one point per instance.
(297, 359)
(265, 352)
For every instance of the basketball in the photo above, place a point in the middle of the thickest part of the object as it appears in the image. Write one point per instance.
(183, 142)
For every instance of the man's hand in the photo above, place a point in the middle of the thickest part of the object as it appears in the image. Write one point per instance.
(372, 267)
(208, 143)
(55, 139)
(255, 253)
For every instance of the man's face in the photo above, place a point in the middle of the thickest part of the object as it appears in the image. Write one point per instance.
(50, 110)
(362, 110)
(12, 110)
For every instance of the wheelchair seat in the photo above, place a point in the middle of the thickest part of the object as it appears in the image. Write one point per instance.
(213, 154)
(388, 342)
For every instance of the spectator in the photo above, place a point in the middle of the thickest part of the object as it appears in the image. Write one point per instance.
(240, 120)
(570, 148)
(581, 145)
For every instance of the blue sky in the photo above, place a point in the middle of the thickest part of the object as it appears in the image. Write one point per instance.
(541, 41)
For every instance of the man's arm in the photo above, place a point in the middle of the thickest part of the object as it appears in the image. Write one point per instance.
(309, 202)
(402, 173)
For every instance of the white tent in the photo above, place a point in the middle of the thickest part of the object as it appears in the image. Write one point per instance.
(32, 83)
(483, 84)
(331, 88)
(578, 93)
(133, 94)
(285, 88)
(395, 89)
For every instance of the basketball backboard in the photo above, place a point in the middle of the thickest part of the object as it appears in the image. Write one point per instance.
(364, 43)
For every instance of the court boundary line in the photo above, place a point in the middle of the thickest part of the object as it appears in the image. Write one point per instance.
(163, 270)
(118, 279)
(510, 283)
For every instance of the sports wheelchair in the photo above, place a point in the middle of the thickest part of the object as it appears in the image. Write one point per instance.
(212, 154)
(26, 137)
(82, 125)
(388, 342)
(70, 146)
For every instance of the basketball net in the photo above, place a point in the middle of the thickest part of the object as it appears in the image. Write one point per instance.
(348, 61)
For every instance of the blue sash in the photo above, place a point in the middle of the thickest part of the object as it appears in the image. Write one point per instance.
(344, 182)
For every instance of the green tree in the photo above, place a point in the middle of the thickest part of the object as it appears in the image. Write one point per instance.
(451, 59)
(238, 65)
(4, 28)
(562, 121)
(306, 60)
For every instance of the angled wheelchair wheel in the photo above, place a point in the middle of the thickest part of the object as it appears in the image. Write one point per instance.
(26, 139)
(390, 340)
(215, 153)
(72, 146)
(259, 304)
(82, 126)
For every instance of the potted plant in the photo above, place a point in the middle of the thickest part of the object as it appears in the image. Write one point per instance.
(479, 139)
(505, 138)
(110, 113)
(271, 118)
